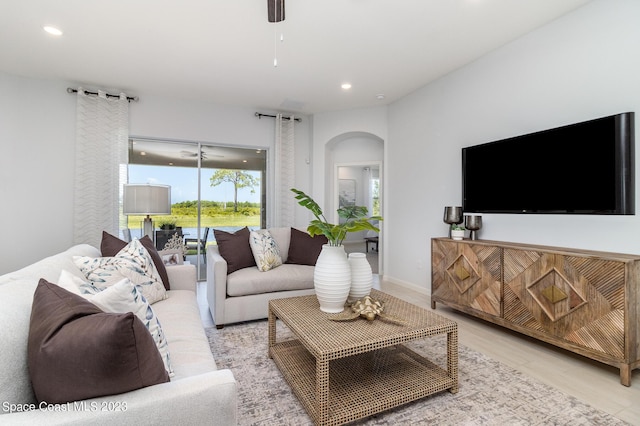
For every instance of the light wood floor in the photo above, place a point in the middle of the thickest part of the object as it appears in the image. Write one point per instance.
(589, 381)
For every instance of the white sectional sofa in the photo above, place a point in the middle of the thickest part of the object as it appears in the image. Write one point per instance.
(244, 294)
(198, 394)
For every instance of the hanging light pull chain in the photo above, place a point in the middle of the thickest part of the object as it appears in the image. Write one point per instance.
(275, 45)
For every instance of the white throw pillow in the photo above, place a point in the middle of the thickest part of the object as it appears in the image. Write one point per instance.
(121, 297)
(265, 250)
(133, 262)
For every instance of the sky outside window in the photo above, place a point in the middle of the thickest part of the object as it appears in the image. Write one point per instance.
(184, 183)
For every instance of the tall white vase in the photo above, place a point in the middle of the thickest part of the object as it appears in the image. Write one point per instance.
(332, 278)
(361, 276)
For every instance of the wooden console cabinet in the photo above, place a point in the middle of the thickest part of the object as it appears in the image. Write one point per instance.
(586, 302)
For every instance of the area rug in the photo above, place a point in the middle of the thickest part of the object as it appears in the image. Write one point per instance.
(490, 393)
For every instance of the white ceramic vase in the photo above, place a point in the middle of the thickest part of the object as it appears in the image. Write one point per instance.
(332, 278)
(361, 276)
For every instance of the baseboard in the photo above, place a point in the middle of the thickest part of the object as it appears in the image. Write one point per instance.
(406, 284)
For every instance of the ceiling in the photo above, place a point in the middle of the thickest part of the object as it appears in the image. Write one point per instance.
(185, 154)
(223, 51)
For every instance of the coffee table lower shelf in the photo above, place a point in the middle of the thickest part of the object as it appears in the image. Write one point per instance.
(361, 385)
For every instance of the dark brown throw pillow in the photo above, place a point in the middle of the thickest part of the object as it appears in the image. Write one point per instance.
(235, 249)
(305, 249)
(110, 246)
(75, 351)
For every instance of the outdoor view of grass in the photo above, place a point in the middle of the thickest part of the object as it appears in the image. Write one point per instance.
(214, 214)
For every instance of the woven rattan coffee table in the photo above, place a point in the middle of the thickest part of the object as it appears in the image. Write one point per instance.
(344, 371)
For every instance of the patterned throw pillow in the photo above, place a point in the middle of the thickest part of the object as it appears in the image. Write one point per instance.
(111, 245)
(265, 250)
(121, 297)
(133, 262)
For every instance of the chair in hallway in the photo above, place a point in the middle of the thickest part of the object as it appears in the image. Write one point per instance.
(371, 237)
(194, 243)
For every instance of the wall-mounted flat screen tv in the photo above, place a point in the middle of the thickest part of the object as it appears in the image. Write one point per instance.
(583, 168)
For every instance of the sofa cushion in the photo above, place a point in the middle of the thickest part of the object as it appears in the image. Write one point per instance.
(286, 277)
(182, 324)
(283, 237)
(120, 298)
(15, 310)
(265, 250)
(16, 297)
(49, 267)
(305, 249)
(235, 249)
(133, 262)
(76, 351)
(110, 246)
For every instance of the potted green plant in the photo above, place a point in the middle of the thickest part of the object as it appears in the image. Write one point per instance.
(168, 226)
(332, 272)
(355, 220)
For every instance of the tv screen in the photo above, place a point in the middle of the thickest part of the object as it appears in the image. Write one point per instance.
(583, 168)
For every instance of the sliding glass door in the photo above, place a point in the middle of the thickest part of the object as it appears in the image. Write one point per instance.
(211, 186)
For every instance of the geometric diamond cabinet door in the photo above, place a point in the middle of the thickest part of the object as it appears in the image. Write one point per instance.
(577, 299)
(587, 302)
(466, 275)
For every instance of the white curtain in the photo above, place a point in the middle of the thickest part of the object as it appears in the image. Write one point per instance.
(285, 171)
(102, 131)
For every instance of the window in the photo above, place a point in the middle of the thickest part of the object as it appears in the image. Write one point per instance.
(211, 186)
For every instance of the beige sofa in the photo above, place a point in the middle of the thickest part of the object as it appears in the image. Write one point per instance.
(244, 294)
(198, 394)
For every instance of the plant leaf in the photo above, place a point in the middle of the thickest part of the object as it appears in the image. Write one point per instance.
(355, 220)
(308, 202)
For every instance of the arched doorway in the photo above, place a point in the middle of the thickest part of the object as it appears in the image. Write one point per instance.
(354, 173)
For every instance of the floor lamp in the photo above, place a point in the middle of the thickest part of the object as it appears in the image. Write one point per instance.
(146, 199)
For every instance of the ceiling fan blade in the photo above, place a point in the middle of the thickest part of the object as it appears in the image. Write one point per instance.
(203, 154)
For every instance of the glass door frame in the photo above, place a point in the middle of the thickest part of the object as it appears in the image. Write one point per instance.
(265, 183)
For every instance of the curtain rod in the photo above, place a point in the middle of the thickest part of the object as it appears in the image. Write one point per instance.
(108, 95)
(259, 115)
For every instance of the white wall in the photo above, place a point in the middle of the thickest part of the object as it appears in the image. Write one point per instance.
(329, 125)
(37, 133)
(582, 66)
(37, 136)
(221, 124)
(579, 67)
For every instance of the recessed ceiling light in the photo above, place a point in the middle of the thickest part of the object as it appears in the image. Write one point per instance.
(53, 30)
(143, 153)
(346, 86)
(380, 96)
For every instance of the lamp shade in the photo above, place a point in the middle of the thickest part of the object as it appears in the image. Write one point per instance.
(141, 199)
